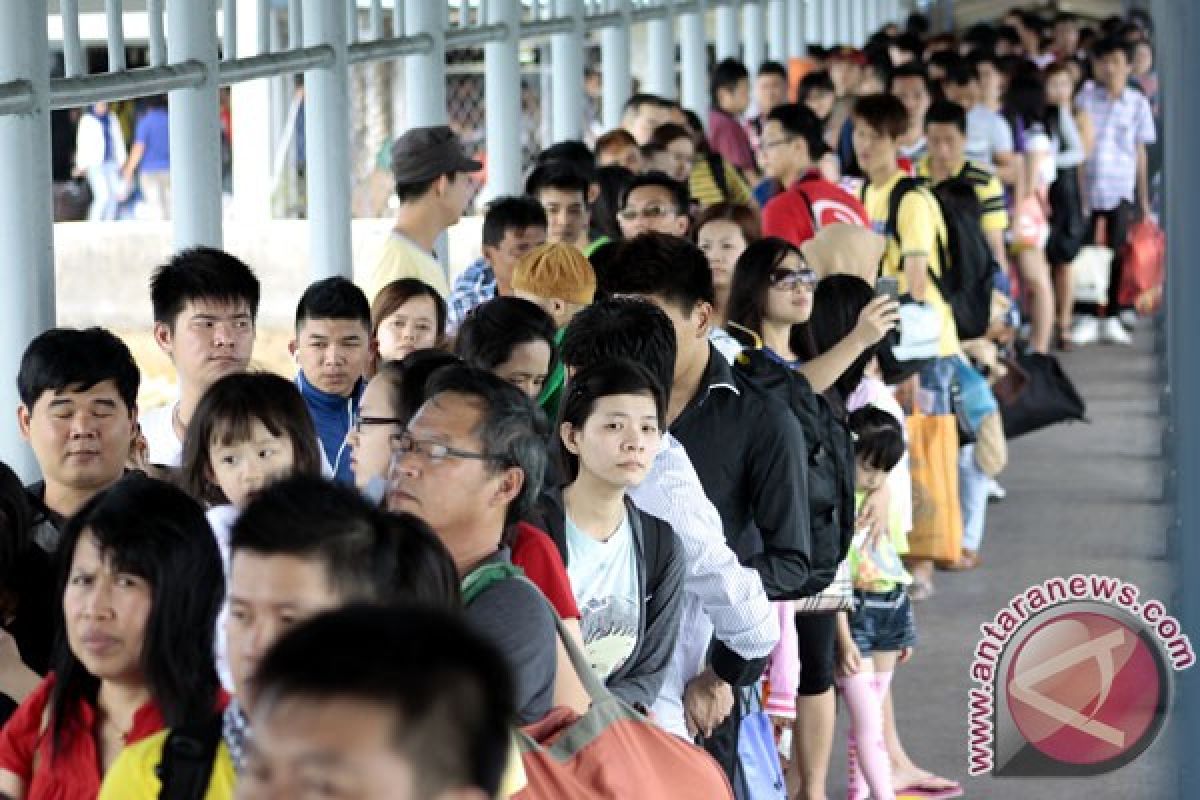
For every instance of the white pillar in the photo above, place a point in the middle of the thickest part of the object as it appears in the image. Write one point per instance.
(777, 43)
(845, 24)
(425, 75)
(660, 60)
(26, 216)
(858, 22)
(727, 34)
(566, 80)
(829, 22)
(797, 46)
(327, 138)
(502, 87)
(195, 130)
(253, 133)
(754, 37)
(615, 67)
(693, 63)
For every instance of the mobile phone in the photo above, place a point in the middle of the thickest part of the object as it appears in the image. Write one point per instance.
(889, 286)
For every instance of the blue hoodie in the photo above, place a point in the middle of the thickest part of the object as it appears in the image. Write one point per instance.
(332, 416)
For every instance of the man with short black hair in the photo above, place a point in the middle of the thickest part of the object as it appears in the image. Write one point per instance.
(770, 90)
(205, 305)
(470, 464)
(792, 144)
(563, 192)
(911, 85)
(512, 226)
(78, 411)
(729, 94)
(654, 202)
(386, 704)
(333, 349)
(432, 176)
(643, 114)
(989, 136)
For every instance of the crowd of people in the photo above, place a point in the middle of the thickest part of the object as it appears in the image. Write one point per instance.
(664, 421)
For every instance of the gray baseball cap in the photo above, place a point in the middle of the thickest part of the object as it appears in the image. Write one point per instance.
(422, 154)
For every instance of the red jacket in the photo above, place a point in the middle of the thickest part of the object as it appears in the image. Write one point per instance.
(789, 215)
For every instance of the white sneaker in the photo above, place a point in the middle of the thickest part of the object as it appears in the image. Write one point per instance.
(1086, 330)
(1129, 319)
(996, 491)
(1113, 332)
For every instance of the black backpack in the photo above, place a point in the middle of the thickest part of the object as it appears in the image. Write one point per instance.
(968, 266)
(830, 463)
(187, 759)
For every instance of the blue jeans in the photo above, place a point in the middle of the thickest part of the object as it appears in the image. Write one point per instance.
(973, 497)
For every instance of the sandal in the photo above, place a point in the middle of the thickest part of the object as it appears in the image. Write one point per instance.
(969, 560)
(920, 590)
(1063, 340)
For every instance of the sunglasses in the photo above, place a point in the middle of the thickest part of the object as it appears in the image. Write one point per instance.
(791, 279)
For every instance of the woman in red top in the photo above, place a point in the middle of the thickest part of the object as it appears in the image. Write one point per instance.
(140, 593)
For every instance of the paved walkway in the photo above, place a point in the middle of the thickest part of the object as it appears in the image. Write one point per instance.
(1081, 498)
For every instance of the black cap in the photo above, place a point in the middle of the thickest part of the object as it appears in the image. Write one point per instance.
(422, 154)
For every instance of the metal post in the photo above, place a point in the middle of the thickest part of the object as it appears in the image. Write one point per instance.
(566, 80)
(845, 24)
(76, 64)
(195, 131)
(158, 34)
(229, 46)
(796, 18)
(693, 61)
(326, 130)
(616, 72)
(829, 22)
(754, 37)
(252, 128)
(858, 23)
(502, 87)
(660, 60)
(26, 214)
(116, 36)
(777, 43)
(727, 33)
(425, 75)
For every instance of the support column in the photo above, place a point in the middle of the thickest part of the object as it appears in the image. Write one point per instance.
(566, 80)
(777, 43)
(502, 87)
(858, 23)
(425, 75)
(253, 133)
(693, 62)
(727, 34)
(327, 138)
(195, 131)
(797, 18)
(754, 37)
(615, 67)
(660, 57)
(829, 22)
(845, 23)
(26, 215)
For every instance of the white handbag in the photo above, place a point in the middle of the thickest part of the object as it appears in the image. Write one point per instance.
(920, 332)
(1090, 273)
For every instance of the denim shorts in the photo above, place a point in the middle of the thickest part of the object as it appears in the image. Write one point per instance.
(882, 621)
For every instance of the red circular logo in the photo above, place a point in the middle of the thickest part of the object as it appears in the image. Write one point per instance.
(1085, 688)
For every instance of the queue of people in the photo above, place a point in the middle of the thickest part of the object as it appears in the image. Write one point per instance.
(654, 443)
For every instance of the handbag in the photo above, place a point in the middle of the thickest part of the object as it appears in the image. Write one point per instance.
(757, 753)
(1143, 263)
(1091, 272)
(612, 752)
(1048, 398)
(920, 332)
(837, 596)
(1009, 385)
(1030, 226)
(977, 400)
(933, 461)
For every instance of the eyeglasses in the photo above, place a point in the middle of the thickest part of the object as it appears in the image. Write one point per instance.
(765, 145)
(433, 452)
(358, 421)
(791, 279)
(648, 213)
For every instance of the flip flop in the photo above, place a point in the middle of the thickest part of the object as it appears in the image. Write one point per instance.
(925, 791)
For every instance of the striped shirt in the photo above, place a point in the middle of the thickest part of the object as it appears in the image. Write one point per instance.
(1122, 126)
(704, 189)
(988, 190)
(721, 598)
(474, 287)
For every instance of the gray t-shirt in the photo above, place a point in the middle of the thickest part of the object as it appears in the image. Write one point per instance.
(520, 623)
(987, 133)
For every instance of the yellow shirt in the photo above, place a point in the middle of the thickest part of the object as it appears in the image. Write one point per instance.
(400, 258)
(988, 189)
(919, 226)
(133, 777)
(704, 190)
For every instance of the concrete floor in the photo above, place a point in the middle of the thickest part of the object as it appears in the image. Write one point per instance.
(1081, 498)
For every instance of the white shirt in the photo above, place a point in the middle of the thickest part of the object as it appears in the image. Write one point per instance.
(604, 577)
(720, 596)
(987, 133)
(221, 519)
(158, 426)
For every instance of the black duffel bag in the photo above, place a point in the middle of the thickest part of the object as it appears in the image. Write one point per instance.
(1047, 398)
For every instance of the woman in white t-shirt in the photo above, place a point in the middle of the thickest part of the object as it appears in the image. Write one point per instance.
(625, 566)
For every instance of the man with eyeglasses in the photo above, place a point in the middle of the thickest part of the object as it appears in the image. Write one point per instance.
(792, 143)
(654, 202)
(471, 463)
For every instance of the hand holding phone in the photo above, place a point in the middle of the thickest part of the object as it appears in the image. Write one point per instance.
(889, 286)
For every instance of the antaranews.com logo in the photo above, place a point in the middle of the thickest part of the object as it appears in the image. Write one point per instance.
(1074, 678)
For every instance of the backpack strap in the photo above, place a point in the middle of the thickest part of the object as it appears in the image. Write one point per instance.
(899, 191)
(816, 224)
(187, 759)
(485, 577)
(716, 165)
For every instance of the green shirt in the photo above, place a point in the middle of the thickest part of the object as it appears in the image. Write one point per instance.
(552, 390)
(879, 570)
